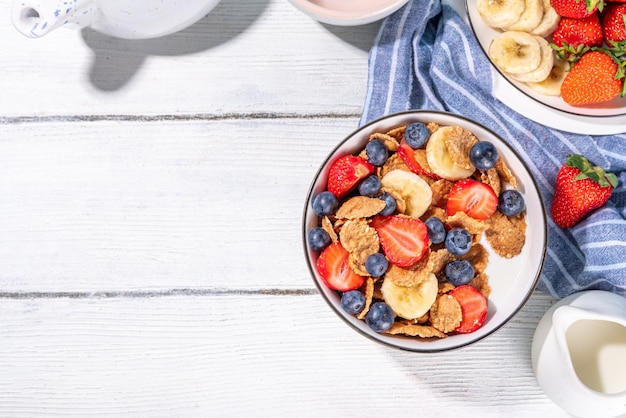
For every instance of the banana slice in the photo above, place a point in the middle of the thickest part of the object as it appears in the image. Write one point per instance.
(500, 13)
(545, 66)
(549, 22)
(439, 158)
(551, 86)
(411, 302)
(415, 192)
(530, 18)
(515, 52)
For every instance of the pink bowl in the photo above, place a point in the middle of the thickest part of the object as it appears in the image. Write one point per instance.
(348, 12)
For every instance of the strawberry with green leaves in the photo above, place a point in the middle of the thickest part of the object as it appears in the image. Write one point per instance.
(580, 188)
(586, 31)
(577, 9)
(595, 78)
(573, 37)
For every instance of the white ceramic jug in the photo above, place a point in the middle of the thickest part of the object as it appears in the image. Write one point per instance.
(129, 19)
(579, 354)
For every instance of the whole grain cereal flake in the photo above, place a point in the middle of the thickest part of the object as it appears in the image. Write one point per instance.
(459, 142)
(446, 314)
(506, 235)
(360, 207)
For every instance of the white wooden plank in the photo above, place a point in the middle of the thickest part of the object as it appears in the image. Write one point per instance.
(244, 57)
(255, 355)
(122, 206)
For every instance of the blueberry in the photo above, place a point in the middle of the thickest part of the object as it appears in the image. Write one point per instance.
(377, 152)
(353, 302)
(436, 230)
(511, 203)
(318, 239)
(459, 272)
(370, 186)
(483, 155)
(458, 241)
(390, 206)
(325, 204)
(416, 135)
(376, 265)
(380, 317)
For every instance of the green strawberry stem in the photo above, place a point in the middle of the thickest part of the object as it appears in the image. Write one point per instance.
(591, 172)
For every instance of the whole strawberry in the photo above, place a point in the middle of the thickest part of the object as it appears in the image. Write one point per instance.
(614, 23)
(573, 37)
(593, 79)
(576, 8)
(580, 188)
(574, 32)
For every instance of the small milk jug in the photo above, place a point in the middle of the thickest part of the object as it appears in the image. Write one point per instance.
(129, 19)
(579, 354)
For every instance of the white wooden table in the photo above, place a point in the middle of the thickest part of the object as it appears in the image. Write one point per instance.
(151, 195)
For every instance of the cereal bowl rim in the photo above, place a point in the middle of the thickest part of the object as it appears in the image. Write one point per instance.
(414, 344)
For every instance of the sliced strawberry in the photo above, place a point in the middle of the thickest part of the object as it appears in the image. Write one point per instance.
(404, 240)
(346, 172)
(473, 308)
(333, 266)
(408, 156)
(476, 199)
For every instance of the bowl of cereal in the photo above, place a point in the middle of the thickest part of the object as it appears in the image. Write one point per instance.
(425, 231)
(348, 12)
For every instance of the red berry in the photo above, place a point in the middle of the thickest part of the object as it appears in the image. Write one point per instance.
(614, 22)
(334, 268)
(593, 79)
(473, 308)
(346, 172)
(580, 188)
(476, 199)
(407, 155)
(576, 8)
(404, 240)
(575, 32)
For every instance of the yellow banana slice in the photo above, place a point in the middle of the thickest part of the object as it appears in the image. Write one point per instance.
(530, 18)
(411, 302)
(500, 13)
(515, 52)
(545, 66)
(415, 192)
(548, 23)
(439, 158)
(551, 86)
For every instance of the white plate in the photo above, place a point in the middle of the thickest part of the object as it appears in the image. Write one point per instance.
(602, 119)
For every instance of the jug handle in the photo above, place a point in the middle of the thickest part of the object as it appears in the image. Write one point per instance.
(36, 18)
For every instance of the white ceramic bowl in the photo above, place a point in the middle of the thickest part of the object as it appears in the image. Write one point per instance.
(485, 34)
(512, 280)
(348, 12)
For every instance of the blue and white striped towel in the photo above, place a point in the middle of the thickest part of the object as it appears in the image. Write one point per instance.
(426, 57)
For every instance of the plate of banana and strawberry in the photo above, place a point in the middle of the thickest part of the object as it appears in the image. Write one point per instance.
(566, 57)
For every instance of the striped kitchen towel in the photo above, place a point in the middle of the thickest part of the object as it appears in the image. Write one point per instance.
(426, 57)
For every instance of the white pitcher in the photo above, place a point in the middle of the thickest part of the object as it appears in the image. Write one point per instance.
(129, 19)
(579, 354)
